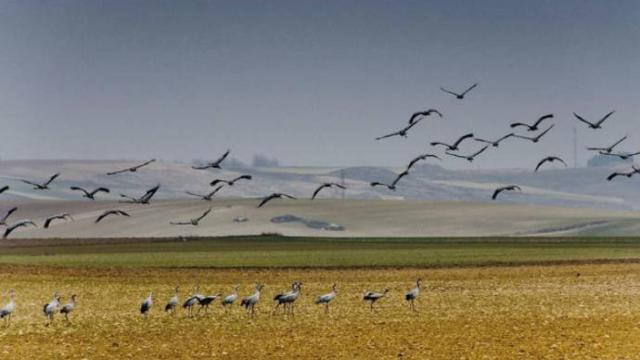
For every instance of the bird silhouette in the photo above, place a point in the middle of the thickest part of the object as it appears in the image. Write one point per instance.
(63, 216)
(131, 169)
(402, 132)
(536, 138)
(207, 197)
(214, 164)
(621, 155)
(4, 188)
(425, 113)
(634, 170)
(455, 145)
(194, 221)
(144, 199)
(534, 126)
(608, 149)
(469, 158)
(44, 185)
(596, 125)
(495, 143)
(90, 194)
(421, 158)
(550, 159)
(268, 198)
(324, 186)
(499, 190)
(232, 181)
(111, 212)
(19, 224)
(3, 220)
(461, 95)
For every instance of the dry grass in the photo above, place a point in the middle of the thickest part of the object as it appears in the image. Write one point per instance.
(476, 313)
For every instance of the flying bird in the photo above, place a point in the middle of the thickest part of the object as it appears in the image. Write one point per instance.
(111, 212)
(275, 196)
(634, 170)
(207, 197)
(535, 125)
(232, 181)
(215, 164)
(536, 138)
(19, 224)
(4, 219)
(402, 132)
(459, 96)
(596, 125)
(421, 158)
(324, 186)
(621, 155)
(425, 113)
(194, 221)
(455, 145)
(4, 188)
(471, 157)
(132, 169)
(144, 199)
(42, 186)
(90, 194)
(505, 188)
(64, 216)
(497, 142)
(391, 186)
(550, 159)
(609, 149)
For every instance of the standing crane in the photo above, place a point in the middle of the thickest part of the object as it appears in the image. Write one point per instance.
(249, 302)
(413, 294)
(146, 305)
(7, 311)
(230, 299)
(50, 308)
(68, 308)
(173, 302)
(288, 298)
(192, 301)
(327, 298)
(372, 297)
(205, 301)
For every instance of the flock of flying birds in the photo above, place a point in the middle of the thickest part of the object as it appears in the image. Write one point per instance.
(533, 132)
(284, 300)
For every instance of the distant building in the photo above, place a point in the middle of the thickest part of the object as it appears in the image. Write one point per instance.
(600, 160)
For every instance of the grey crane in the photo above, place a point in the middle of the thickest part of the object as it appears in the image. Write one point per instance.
(288, 298)
(499, 190)
(413, 294)
(16, 225)
(206, 197)
(634, 170)
(194, 221)
(325, 186)
(461, 95)
(231, 298)
(608, 149)
(535, 125)
(470, 157)
(327, 298)
(274, 196)
(249, 302)
(596, 125)
(44, 185)
(232, 181)
(63, 216)
(413, 118)
(214, 164)
(455, 145)
(131, 169)
(550, 159)
(144, 199)
(205, 301)
(402, 132)
(111, 212)
(172, 304)
(90, 194)
(3, 220)
(372, 297)
(192, 301)
(6, 312)
(536, 138)
(49, 309)
(422, 157)
(146, 305)
(68, 308)
(495, 143)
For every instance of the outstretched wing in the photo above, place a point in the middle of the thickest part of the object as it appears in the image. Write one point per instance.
(117, 172)
(266, 200)
(544, 132)
(469, 89)
(203, 215)
(496, 193)
(449, 92)
(542, 163)
(388, 135)
(605, 118)
(515, 125)
(580, 118)
(400, 176)
(30, 183)
(480, 151)
(4, 188)
(221, 158)
(52, 178)
(315, 193)
(78, 188)
(462, 138)
(100, 189)
(542, 118)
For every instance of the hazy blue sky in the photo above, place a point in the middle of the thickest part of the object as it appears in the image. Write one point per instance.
(310, 82)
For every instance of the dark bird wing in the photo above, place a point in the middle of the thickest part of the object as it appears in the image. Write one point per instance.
(315, 193)
(515, 125)
(436, 143)
(144, 164)
(221, 158)
(400, 176)
(288, 196)
(388, 135)
(4, 188)
(194, 194)
(455, 155)
(580, 118)
(462, 138)
(604, 118)
(542, 163)
(267, 199)
(449, 92)
(544, 132)
(618, 142)
(505, 137)
(117, 172)
(51, 179)
(6, 216)
(542, 118)
(420, 158)
(78, 188)
(469, 89)
(100, 189)
(480, 151)
(496, 193)
(30, 183)
(149, 194)
(614, 175)
(203, 215)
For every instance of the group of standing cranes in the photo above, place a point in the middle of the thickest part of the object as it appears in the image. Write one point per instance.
(285, 300)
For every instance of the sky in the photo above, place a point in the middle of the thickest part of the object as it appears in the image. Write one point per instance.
(312, 83)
